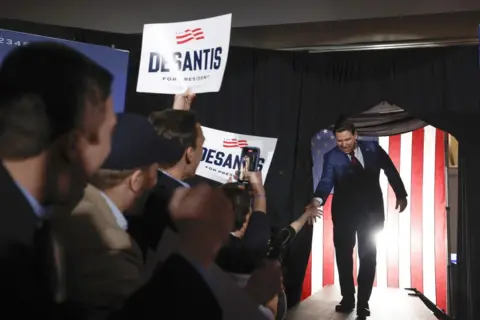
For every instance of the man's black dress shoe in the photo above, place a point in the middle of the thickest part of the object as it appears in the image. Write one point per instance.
(363, 311)
(346, 305)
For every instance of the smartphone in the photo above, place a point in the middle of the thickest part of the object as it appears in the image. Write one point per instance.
(249, 159)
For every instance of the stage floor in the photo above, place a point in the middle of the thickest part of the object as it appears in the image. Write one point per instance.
(385, 304)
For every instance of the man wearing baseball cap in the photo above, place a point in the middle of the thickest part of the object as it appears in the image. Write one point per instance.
(102, 262)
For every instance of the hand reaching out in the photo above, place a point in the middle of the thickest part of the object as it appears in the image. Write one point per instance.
(313, 212)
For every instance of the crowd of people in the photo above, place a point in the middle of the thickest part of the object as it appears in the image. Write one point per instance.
(99, 221)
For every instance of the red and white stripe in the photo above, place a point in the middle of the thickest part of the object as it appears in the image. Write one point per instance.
(412, 249)
(234, 143)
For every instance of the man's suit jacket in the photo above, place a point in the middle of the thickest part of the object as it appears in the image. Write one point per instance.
(102, 262)
(25, 276)
(353, 196)
(177, 290)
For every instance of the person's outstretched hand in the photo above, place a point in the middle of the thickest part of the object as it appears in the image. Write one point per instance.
(313, 213)
(183, 101)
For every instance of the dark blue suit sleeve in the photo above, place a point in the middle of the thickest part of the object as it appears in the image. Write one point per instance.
(392, 174)
(325, 185)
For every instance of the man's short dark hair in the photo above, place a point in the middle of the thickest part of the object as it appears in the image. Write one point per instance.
(45, 88)
(240, 199)
(177, 125)
(344, 125)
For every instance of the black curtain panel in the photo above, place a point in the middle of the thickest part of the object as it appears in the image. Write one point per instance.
(291, 96)
(467, 278)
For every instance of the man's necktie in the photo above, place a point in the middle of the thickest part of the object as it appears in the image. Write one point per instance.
(353, 159)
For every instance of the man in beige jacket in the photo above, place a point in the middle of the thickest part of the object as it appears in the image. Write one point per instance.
(102, 263)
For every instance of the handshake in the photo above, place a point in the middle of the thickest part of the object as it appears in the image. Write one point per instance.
(314, 211)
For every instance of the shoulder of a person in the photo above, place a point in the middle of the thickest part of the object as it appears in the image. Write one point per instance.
(332, 153)
(84, 207)
(166, 182)
(119, 240)
(368, 144)
(89, 201)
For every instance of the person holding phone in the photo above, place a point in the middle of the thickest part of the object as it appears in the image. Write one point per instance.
(248, 245)
(244, 253)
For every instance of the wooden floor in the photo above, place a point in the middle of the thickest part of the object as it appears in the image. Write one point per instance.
(385, 304)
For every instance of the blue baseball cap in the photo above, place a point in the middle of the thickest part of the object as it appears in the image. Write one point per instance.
(135, 144)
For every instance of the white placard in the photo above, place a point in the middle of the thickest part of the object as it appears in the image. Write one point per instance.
(222, 150)
(184, 55)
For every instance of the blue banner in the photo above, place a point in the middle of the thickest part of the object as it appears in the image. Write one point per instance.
(116, 61)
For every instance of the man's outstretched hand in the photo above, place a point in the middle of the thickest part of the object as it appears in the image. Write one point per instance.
(401, 204)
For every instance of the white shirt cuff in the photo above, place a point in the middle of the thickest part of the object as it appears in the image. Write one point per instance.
(319, 200)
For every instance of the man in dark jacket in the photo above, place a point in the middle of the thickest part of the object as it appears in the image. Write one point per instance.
(352, 168)
(56, 121)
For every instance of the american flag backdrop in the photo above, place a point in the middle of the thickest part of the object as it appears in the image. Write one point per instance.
(412, 249)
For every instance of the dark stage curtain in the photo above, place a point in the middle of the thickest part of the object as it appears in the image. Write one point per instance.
(467, 277)
(293, 95)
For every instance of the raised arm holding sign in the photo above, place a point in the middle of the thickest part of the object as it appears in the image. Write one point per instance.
(183, 101)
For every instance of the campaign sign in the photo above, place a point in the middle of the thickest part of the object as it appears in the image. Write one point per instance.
(184, 55)
(115, 61)
(222, 150)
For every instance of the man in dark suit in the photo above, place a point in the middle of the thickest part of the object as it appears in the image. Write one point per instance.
(56, 119)
(352, 168)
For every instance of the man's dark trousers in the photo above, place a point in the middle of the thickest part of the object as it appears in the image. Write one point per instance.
(345, 236)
